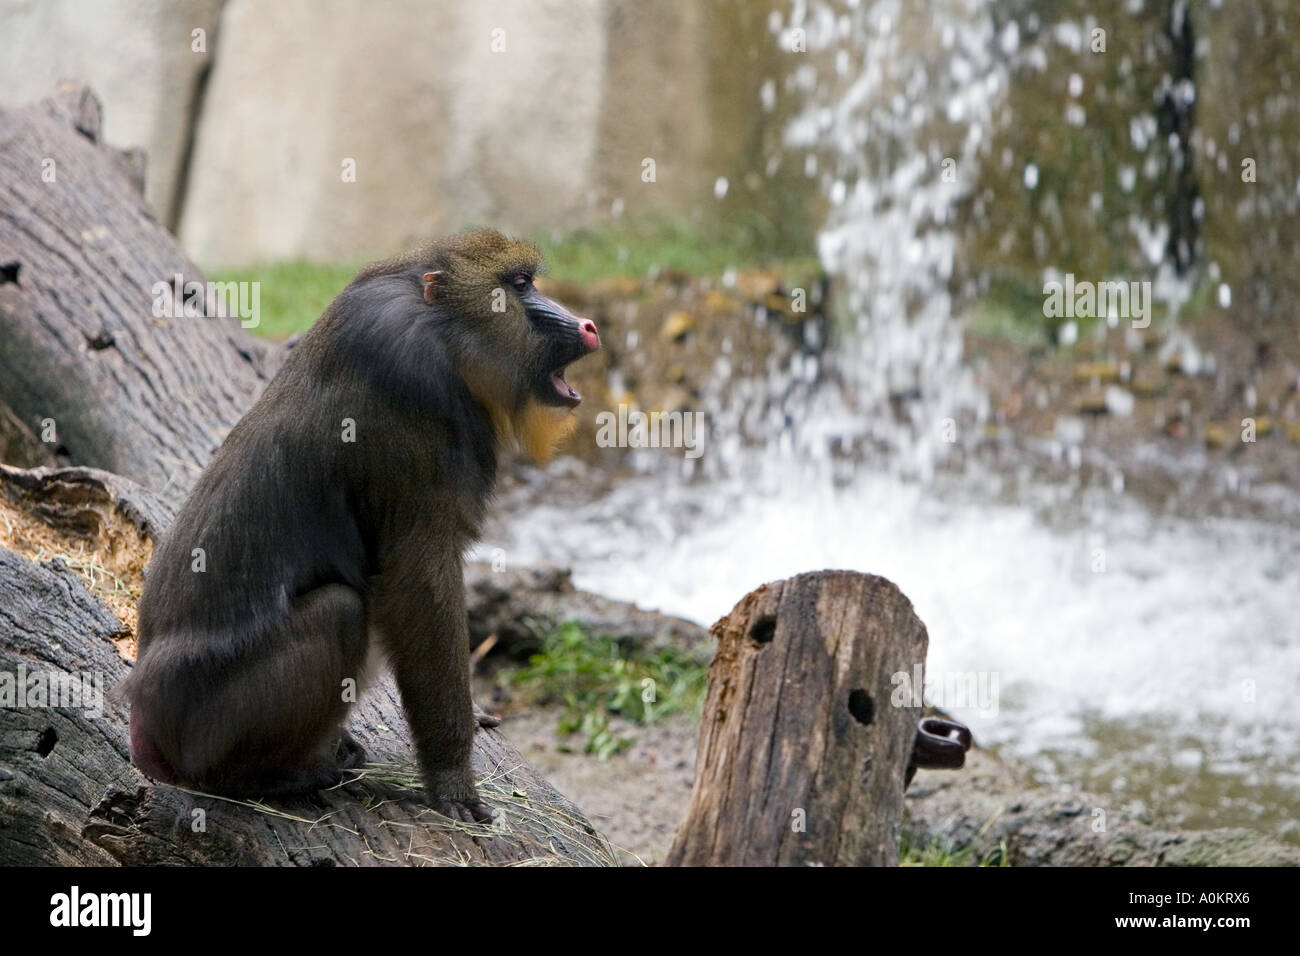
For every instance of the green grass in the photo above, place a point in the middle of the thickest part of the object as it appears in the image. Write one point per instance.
(938, 853)
(642, 248)
(1012, 310)
(293, 294)
(997, 320)
(596, 677)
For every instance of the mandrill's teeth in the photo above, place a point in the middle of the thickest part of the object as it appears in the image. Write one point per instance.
(563, 387)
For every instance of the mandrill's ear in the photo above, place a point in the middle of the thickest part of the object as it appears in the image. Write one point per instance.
(430, 285)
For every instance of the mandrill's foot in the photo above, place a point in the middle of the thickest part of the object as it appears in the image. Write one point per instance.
(471, 810)
(452, 793)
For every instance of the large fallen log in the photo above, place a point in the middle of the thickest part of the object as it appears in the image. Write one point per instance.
(69, 795)
(81, 256)
(802, 751)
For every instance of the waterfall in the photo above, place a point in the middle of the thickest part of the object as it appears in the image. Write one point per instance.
(898, 102)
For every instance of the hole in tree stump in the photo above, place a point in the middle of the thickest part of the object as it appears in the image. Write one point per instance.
(763, 630)
(46, 741)
(861, 706)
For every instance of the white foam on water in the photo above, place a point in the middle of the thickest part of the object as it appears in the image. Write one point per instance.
(1184, 619)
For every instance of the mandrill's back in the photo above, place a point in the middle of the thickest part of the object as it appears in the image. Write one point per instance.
(336, 443)
(275, 478)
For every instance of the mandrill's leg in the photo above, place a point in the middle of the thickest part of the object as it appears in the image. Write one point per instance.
(270, 722)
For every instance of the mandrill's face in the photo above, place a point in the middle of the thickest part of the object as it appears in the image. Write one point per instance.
(513, 344)
(561, 339)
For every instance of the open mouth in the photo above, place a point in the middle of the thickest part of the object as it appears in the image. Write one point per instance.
(568, 394)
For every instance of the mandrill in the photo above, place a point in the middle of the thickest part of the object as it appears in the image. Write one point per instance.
(330, 528)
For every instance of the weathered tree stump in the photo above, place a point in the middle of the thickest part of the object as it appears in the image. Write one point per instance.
(80, 255)
(802, 752)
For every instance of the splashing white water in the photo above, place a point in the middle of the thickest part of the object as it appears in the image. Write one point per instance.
(1189, 631)
(875, 126)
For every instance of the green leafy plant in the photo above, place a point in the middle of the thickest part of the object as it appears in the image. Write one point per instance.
(596, 677)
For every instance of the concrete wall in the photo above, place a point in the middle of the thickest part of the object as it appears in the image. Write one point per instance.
(135, 53)
(445, 130)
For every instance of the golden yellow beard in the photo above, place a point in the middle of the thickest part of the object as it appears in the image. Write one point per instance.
(539, 429)
(536, 429)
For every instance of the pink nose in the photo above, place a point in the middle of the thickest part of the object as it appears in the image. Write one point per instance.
(590, 337)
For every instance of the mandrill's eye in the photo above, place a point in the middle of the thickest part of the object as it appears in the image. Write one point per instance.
(521, 282)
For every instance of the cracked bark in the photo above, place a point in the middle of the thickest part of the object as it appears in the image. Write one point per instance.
(81, 253)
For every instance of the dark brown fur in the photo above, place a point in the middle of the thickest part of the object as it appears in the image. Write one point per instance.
(313, 545)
